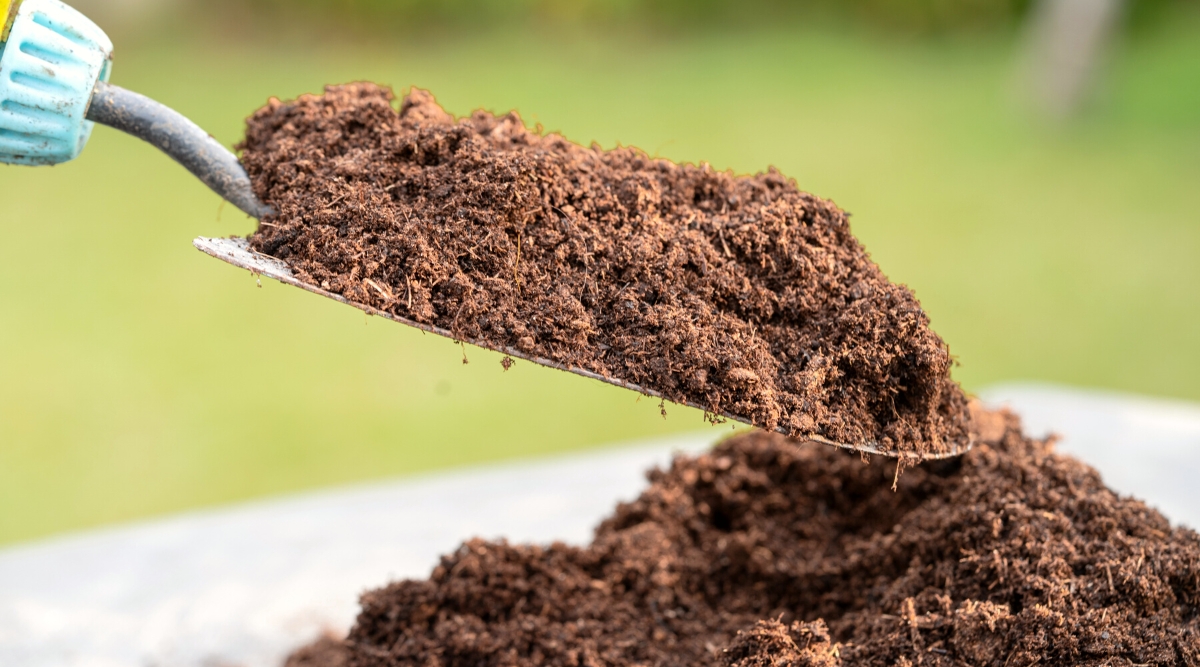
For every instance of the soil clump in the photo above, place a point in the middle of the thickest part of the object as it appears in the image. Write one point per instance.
(765, 553)
(741, 295)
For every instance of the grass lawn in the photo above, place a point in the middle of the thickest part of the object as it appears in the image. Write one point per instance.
(139, 377)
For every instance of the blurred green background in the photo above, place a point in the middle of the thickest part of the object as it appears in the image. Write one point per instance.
(139, 377)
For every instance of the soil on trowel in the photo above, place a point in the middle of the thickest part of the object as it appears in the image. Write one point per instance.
(769, 553)
(741, 295)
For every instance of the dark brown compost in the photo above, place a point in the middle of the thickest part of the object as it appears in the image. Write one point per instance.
(741, 295)
(769, 553)
(744, 296)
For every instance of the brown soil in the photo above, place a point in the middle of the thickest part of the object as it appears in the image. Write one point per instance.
(745, 296)
(325, 652)
(765, 553)
(741, 295)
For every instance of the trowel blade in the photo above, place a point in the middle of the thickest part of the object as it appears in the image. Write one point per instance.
(236, 251)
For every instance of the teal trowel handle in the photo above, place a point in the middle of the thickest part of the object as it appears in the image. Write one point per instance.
(168, 131)
(54, 68)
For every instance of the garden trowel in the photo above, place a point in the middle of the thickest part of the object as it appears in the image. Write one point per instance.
(54, 70)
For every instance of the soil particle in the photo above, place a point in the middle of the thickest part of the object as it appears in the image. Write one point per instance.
(766, 552)
(327, 651)
(741, 295)
(773, 644)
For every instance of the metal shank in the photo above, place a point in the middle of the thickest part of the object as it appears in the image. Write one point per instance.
(237, 252)
(175, 135)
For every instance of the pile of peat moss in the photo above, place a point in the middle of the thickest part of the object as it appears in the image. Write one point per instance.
(766, 553)
(741, 295)
(747, 297)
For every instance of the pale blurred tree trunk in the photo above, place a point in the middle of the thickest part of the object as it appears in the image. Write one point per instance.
(1067, 43)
